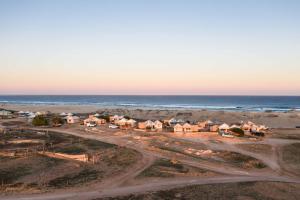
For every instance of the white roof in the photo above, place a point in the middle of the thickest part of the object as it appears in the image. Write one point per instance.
(224, 126)
(234, 126)
(131, 120)
(74, 117)
(209, 122)
(178, 125)
(63, 114)
(70, 114)
(186, 125)
(149, 122)
(97, 115)
(123, 120)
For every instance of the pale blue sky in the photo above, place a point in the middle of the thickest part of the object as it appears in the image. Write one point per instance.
(150, 47)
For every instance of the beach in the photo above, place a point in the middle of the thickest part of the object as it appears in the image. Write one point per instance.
(271, 119)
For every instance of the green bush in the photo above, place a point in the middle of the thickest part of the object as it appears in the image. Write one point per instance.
(40, 121)
(239, 132)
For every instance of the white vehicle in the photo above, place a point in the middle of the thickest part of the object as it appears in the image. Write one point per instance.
(113, 126)
(91, 124)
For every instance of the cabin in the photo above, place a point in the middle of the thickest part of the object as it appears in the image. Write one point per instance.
(234, 126)
(149, 124)
(195, 128)
(178, 128)
(115, 118)
(141, 125)
(246, 127)
(224, 128)
(214, 128)
(72, 119)
(93, 119)
(187, 128)
(121, 122)
(131, 123)
(158, 125)
(6, 114)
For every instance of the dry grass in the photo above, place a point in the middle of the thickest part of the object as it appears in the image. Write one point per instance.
(228, 191)
(256, 148)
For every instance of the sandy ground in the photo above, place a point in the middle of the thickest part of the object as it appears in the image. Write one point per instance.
(125, 184)
(273, 120)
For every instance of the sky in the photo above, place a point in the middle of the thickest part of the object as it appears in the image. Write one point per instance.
(163, 47)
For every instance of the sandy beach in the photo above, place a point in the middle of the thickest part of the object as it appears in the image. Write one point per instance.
(273, 119)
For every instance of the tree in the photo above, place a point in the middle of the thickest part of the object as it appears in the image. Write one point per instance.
(40, 121)
(57, 121)
(126, 117)
(106, 117)
(237, 131)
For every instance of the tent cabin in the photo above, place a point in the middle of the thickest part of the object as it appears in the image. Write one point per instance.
(195, 128)
(158, 125)
(187, 128)
(131, 123)
(214, 128)
(246, 127)
(234, 126)
(149, 124)
(178, 128)
(72, 119)
(63, 114)
(115, 118)
(224, 127)
(93, 119)
(121, 122)
(6, 114)
(141, 125)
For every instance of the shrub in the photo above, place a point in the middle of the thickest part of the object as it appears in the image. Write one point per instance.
(126, 117)
(239, 132)
(106, 117)
(56, 121)
(40, 121)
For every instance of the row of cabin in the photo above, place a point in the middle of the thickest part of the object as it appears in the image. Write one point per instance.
(249, 126)
(156, 125)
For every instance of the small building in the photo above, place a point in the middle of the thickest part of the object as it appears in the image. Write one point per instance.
(205, 125)
(141, 125)
(149, 124)
(214, 128)
(63, 114)
(246, 127)
(6, 114)
(72, 119)
(93, 119)
(178, 128)
(224, 127)
(187, 128)
(115, 118)
(158, 125)
(235, 126)
(131, 123)
(195, 128)
(121, 122)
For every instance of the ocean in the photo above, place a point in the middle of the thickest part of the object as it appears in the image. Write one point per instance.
(226, 103)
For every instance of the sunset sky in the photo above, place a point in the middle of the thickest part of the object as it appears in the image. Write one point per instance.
(249, 47)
